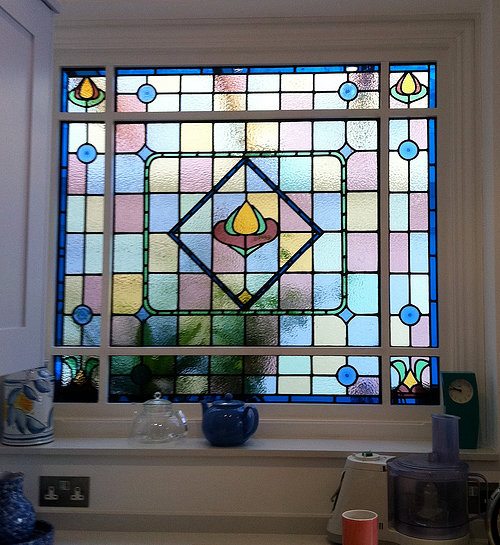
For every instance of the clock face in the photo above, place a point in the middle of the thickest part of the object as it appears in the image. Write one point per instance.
(460, 391)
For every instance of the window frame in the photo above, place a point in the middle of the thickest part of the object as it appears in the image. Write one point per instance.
(448, 42)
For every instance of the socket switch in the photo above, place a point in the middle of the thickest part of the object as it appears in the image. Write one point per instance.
(64, 491)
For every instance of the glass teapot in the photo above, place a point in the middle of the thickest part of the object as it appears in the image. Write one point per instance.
(158, 422)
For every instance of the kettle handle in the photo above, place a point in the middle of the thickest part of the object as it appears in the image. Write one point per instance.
(249, 430)
(492, 517)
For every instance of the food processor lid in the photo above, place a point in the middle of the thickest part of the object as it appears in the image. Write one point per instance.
(228, 403)
(425, 467)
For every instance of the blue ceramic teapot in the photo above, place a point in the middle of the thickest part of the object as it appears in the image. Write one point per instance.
(227, 422)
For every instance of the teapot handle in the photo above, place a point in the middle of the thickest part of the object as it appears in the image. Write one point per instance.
(254, 420)
(183, 420)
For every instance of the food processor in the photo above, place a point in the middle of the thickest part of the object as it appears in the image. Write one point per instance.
(420, 498)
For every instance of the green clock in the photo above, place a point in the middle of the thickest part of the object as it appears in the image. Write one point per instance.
(461, 399)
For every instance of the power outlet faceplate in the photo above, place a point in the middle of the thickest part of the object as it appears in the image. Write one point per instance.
(64, 491)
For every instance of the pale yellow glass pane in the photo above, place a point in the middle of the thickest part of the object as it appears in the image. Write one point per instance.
(164, 175)
(165, 84)
(72, 293)
(297, 82)
(400, 333)
(95, 214)
(196, 137)
(263, 82)
(230, 102)
(398, 172)
(329, 331)
(262, 136)
(235, 282)
(329, 82)
(365, 101)
(222, 165)
(362, 211)
(264, 101)
(327, 365)
(327, 172)
(221, 300)
(163, 253)
(164, 103)
(229, 136)
(196, 84)
(77, 136)
(127, 293)
(266, 204)
(362, 135)
(290, 243)
(97, 136)
(294, 385)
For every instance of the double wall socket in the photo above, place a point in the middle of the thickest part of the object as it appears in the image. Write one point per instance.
(64, 491)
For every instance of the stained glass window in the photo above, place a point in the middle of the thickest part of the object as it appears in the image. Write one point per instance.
(413, 236)
(412, 85)
(414, 380)
(80, 239)
(77, 379)
(204, 232)
(228, 89)
(256, 233)
(256, 378)
(83, 90)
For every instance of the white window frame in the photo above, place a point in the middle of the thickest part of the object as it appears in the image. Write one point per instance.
(452, 43)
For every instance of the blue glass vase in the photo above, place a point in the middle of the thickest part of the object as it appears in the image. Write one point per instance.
(17, 516)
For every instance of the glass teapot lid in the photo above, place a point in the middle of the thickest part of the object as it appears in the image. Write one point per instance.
(158, 405)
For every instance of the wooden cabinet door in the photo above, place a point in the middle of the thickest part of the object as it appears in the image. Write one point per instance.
(25, 138)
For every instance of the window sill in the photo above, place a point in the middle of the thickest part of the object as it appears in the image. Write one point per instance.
(253, 448)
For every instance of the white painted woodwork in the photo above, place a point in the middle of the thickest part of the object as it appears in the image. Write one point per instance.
(25, 91)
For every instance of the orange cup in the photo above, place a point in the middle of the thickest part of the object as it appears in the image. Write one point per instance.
(359, 527)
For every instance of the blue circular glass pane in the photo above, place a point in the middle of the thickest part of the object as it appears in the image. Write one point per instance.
(409, 315)
(146, 93)
(348, 91)
(82, 315)
(86, 153)
(347, 375)
(408, 150)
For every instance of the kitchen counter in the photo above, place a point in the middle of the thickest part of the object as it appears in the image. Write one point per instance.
(150, 538)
